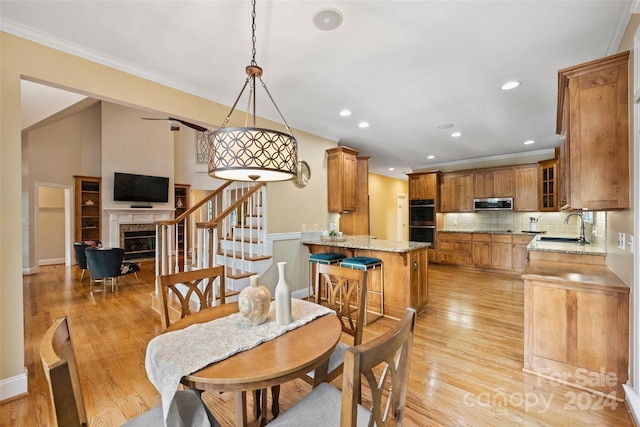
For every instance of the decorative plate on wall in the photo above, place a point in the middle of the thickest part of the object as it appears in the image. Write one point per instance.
(304, 173)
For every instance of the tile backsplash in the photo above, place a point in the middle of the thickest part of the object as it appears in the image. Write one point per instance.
(549, 222)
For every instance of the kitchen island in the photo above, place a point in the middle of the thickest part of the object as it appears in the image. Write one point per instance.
(576, 318)
(405, 268)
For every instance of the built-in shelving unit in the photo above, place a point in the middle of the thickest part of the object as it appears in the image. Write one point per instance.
(87, 208)
(181, 196)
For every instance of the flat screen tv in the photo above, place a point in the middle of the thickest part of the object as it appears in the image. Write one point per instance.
(128, 187)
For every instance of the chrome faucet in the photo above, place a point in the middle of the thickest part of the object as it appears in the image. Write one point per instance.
(582, 238)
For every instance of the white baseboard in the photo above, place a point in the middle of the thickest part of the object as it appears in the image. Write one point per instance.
(30, 270)
(14, 386)
(633, 401)
(52, 261)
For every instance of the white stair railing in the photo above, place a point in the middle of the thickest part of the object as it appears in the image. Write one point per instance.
(229, 225)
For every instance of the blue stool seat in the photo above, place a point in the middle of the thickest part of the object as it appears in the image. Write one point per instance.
(326, 258)
(375, 297)
(361, 262)
(322, 258)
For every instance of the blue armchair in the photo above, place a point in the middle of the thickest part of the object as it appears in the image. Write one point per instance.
(81, 258)
(107, 264)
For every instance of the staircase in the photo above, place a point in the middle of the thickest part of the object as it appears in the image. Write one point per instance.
(226, 228)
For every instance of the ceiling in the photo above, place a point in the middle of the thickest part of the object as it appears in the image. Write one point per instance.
(405, 67)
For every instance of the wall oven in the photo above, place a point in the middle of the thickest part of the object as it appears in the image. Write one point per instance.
(422, 220)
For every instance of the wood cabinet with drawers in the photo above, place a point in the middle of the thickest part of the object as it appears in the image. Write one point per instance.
(341, 179)
(454, 249)
(495, 251)
(593, 119)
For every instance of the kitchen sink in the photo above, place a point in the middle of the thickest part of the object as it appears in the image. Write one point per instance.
(561, 239)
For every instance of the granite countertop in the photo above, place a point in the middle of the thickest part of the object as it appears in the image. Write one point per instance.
(565, 247)
(368, 243)
(523, 232)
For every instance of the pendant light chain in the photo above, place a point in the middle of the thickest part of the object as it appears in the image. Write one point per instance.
(253, 32)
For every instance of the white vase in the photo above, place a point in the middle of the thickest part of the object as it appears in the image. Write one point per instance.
(283, 297)
(254, 302)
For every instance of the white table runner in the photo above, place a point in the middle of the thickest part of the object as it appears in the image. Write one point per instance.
(175, 354)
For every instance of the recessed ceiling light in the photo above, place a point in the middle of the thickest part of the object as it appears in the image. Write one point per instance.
(345, 113)
(327, 19)
(456, 134)
(529, 142)
(510, 85)
(431, 156)
(363, 125)
(445, 126)
(392, 169)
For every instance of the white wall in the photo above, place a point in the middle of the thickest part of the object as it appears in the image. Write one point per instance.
(50, 239)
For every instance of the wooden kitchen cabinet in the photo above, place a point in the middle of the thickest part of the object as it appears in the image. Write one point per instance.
(88, 212)
(593, 119)
(423, 186)
(576, 326)
(456, 192)
(481, 249)
(501, 251)
(548, 182)
(341, 179)
(493, 183)
(526, 193)
(454, 249)
(520, 254)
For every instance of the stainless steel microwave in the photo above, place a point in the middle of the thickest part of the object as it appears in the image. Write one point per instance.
(493, 204)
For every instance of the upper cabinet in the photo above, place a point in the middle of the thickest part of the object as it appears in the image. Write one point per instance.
(456, 192)
(423, 186)
(493, 183)
(548, 181)
(593, 119)
(87, 212)
(341, 179)
(526, 194)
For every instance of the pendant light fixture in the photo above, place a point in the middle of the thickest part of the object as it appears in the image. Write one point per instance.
(250, 153)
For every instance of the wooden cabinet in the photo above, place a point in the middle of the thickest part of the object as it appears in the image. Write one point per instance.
(526, 188)
(507, 252)
(593, 118)
(456, 192)
(481, 249)
(548, 182)
(501, 251)
(181, 201)
(493, 183)
(87, 208)
(341, 179)
(423, 186)
(519, 252)
(454, 249)
(356, 222)
(418, 278)
(576, 325)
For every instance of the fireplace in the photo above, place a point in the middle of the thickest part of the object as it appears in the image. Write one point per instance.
(139, 224)
(138, 241)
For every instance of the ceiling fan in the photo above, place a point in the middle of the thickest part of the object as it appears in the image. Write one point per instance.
(175, 124)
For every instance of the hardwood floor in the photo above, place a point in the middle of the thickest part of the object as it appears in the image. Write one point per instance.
(466, 367)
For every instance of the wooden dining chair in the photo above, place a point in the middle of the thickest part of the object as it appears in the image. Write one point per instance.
(384, 363)
(186, 285)
(61, 369)
(343, 290)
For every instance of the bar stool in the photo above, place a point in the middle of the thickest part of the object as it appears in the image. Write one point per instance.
(322, 258)
(375, 297)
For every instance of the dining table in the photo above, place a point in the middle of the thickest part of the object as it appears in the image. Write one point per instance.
(288, 356)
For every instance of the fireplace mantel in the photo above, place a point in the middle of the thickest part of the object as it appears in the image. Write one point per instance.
(117, 216)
